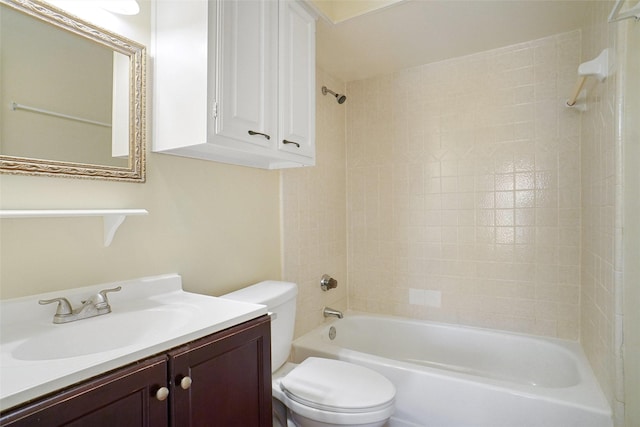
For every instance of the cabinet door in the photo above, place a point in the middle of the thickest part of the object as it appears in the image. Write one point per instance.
(247, 60)
(230, 378)
(297, 79)
(125, 397)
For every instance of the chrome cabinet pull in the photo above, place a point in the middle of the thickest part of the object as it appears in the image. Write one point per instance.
(284, 141)
(259, 133)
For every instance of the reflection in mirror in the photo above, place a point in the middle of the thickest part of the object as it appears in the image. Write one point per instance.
(71, 96)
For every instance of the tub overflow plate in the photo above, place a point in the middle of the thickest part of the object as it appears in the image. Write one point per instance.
(332, 333)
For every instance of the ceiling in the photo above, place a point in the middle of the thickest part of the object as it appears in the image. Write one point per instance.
(341, 10)
(416, 32)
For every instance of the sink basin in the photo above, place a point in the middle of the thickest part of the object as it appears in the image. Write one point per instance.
(100, 334)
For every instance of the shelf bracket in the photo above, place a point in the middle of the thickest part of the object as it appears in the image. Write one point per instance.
(111, 225)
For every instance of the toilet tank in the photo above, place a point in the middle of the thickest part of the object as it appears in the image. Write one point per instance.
(280, 299)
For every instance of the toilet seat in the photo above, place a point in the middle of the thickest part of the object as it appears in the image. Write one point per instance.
(336, 391)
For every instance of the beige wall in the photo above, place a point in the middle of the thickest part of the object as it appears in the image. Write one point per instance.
(217, 225)
(630, 33)
(464, 179)
(314, 214)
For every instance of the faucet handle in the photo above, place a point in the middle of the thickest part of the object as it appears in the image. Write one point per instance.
(100, 300)
(327, 282)
(64, 306)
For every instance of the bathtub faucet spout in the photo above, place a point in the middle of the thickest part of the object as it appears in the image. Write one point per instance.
(330, 312)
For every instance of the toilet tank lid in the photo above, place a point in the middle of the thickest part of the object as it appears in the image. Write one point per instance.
(270, 293)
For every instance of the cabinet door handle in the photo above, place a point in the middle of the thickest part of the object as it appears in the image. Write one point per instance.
(284, 141)
(162, 393)
(259, 133)
(185, 383)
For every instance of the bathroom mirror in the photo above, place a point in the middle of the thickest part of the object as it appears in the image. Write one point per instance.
(72, 96)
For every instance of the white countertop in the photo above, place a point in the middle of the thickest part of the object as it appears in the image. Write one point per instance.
(149, 315)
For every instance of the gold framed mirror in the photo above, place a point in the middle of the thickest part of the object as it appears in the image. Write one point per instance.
(72, 96)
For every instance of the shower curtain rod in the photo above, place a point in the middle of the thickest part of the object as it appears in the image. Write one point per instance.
(15, 106)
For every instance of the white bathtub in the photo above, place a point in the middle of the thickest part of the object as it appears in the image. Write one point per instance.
(456, 376)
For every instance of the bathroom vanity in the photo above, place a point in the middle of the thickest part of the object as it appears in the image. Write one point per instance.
(221, 380)
(193, 372)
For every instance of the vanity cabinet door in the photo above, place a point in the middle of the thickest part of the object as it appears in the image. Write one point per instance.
(126, 397)
(229, 378)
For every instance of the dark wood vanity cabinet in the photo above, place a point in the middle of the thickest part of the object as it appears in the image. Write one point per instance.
(220, 380)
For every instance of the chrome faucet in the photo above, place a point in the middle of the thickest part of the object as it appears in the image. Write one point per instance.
(331, 312)
(97, 305)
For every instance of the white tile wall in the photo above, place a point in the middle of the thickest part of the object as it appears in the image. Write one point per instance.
(464, 178)
(601, 214)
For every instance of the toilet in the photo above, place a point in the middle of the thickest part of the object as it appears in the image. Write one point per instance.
(317, 392)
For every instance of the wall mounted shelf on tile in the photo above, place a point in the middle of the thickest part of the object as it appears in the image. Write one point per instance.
(112, 218)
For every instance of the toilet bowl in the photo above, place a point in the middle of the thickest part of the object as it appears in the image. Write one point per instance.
(317, 392)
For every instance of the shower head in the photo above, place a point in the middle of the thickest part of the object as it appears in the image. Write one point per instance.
(339, 97)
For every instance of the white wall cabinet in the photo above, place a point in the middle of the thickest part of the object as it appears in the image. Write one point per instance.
(234, 81)
(297, 80)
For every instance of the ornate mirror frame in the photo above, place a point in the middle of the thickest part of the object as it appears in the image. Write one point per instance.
(137, 87)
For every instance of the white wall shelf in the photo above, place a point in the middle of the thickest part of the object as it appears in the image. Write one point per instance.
(112, 218)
